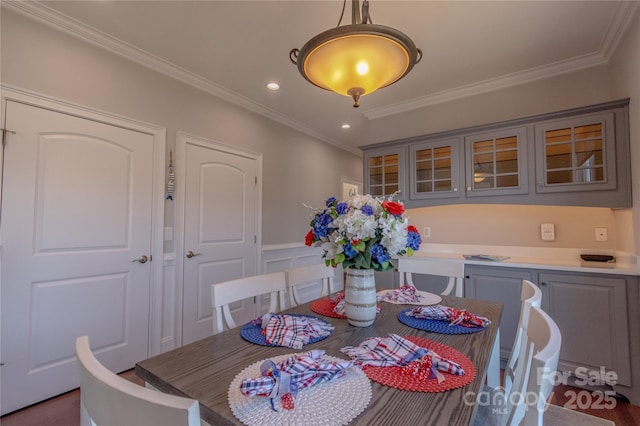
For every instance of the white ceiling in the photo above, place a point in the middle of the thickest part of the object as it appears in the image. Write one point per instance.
(233, 48)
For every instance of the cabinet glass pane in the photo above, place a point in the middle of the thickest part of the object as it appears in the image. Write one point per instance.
(375, 190)
(384, 176)
(495, 163)
(574, 154)
(375, 176)
(424, 187)
(433, 170)
(443, 186)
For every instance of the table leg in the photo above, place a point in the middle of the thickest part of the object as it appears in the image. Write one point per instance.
(493, 369)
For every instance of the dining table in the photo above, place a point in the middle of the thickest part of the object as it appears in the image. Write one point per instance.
(203, 370)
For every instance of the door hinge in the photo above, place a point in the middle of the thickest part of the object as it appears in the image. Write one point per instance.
(4, 135)
(255, 239)
(256, 179)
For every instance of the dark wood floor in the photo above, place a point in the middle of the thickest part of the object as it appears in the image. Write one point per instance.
(64, 410)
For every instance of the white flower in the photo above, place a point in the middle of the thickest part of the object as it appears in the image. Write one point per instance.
(394, 234)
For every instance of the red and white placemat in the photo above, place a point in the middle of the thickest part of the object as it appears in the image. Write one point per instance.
(325, 307)
(403, 378)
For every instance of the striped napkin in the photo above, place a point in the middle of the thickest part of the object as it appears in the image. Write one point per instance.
(395, 351)
(402, 295)
(284, 379)
(453, 316)
(293, 331)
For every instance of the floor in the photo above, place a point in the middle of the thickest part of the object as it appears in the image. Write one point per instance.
(64, 410)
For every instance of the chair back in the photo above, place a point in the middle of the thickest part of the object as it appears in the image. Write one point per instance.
(535, 370)
(444, 268)
(108, 399)
(225, 293)
(529, 296)
(318, 273)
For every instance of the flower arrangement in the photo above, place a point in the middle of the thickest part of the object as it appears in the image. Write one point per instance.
(363, 232)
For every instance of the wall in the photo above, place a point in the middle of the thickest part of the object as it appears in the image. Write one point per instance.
(515, 225)
(625, 82)
(41, 59)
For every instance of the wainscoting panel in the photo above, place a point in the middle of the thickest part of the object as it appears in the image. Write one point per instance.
(276, 258)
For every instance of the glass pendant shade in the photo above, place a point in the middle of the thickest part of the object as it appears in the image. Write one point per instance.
(356, 60)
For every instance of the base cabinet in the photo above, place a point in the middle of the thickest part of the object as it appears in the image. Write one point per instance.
(596, 314)
(591, 312)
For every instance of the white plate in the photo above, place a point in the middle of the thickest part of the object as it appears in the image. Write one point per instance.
(427, 298)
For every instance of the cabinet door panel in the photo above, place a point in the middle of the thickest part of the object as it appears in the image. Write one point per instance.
(591, 312)
(499, 285)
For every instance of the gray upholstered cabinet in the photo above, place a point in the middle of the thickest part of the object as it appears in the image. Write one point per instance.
(578, 157)
(591, 312)
(499, 285)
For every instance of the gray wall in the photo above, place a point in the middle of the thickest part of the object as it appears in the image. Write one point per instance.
(297, 168)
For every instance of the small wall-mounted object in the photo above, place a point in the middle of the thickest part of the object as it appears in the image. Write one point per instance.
(601, 234)
(171, 178)
(547, 232)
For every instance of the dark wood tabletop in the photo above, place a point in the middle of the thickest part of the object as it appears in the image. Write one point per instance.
(204, 369)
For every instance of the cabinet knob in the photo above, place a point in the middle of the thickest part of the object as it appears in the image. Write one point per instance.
(543, 283)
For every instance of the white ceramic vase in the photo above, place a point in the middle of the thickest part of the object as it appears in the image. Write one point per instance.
(360, 297)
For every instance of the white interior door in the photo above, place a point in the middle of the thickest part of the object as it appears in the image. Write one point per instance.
(76, 217)
(221, 220)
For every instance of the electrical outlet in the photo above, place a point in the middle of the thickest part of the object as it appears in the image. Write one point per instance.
(547, 232)
(601, 234)
(426, 232)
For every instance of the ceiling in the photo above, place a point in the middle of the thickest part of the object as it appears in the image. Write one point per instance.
(232, 49)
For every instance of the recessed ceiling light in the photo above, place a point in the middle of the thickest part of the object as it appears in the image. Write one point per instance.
(273, 86)
(346, 126)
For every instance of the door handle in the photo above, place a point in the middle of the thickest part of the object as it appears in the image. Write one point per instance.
(141, 259)
(191, 254)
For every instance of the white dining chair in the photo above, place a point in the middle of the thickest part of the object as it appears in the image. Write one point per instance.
(307, 276)
(443, 268)
(526, 401)
(529, 296)
(110, 400)
(225, 293)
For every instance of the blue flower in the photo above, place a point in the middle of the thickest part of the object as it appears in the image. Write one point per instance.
(330, 201)
(367, 210)
(349, 251)
(321, 225)
(380, 253)
(342, 208)
(414, 240)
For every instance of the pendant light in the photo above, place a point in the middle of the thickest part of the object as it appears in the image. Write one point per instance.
(358, 59)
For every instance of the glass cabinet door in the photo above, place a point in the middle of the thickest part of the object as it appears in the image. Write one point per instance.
(496, 162)
(384, 172)
(575, 154)
(435, 169)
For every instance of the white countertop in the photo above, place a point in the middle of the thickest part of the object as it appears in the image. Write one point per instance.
(559, 259)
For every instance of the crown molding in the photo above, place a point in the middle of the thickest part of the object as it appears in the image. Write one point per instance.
(502, 82)
(620, 21)
(75, 28)
(618, 27)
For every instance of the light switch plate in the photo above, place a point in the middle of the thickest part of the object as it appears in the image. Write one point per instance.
(547, 232)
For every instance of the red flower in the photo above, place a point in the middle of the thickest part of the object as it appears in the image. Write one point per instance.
(309, 238)
(392, 207)
(412, 228)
